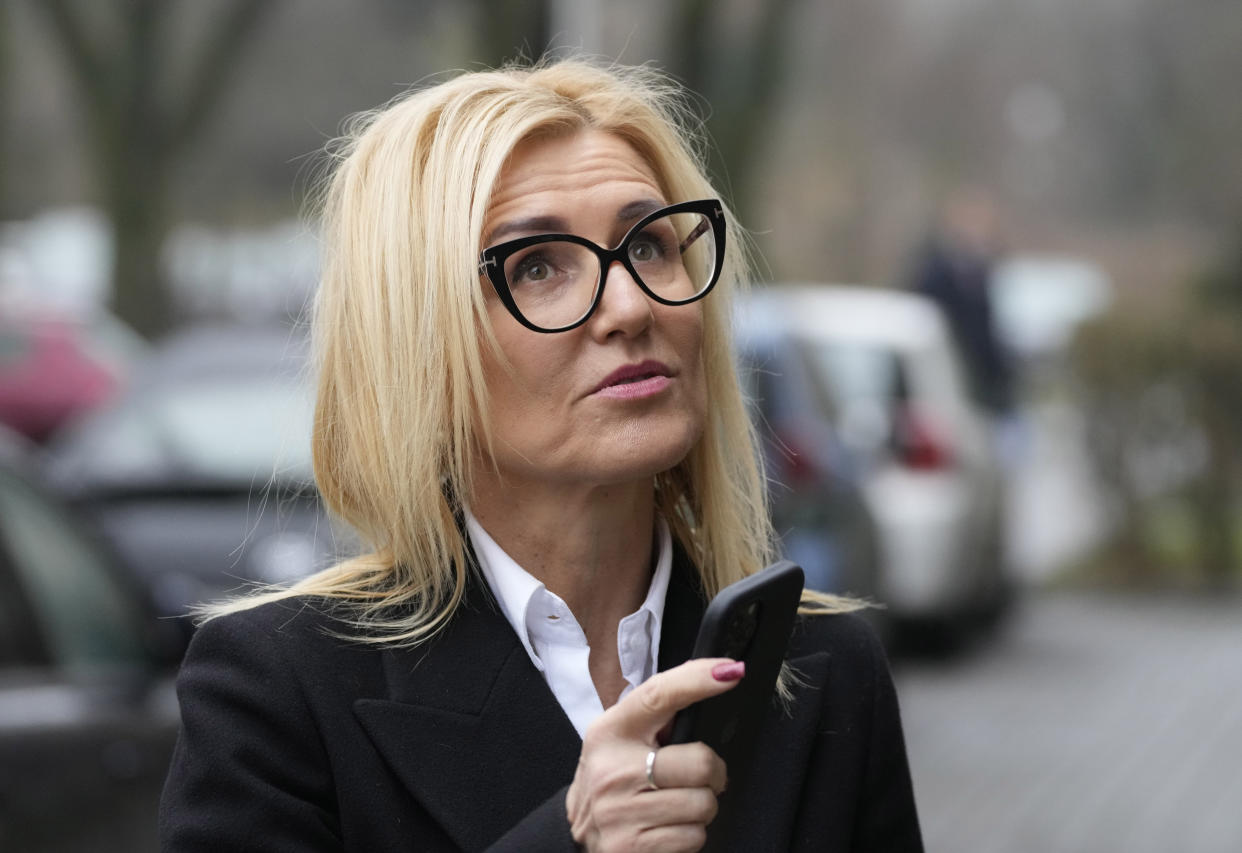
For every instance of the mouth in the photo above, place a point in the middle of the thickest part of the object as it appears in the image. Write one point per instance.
(635, 374)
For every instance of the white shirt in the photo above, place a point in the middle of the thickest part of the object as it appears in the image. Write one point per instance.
(552, 636)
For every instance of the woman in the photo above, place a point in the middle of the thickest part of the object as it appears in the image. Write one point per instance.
(527, 405)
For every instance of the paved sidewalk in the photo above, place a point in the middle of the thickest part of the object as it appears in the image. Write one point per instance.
(1091, 723)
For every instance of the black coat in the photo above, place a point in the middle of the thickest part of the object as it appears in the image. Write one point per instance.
(293, 740)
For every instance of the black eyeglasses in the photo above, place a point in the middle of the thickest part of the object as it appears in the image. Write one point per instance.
(554, 282)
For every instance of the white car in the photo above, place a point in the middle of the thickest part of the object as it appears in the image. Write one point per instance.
(931, 473)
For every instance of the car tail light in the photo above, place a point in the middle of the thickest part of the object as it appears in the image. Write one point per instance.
(920, 442)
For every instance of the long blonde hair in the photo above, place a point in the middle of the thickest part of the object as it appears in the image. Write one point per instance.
(399, 325)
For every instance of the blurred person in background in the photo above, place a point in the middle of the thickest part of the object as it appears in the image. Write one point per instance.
(544, 442)
(954, 269)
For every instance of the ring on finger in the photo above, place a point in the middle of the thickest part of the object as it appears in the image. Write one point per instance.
(651, 782)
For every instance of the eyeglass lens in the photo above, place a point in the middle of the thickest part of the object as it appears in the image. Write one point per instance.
(554, 283)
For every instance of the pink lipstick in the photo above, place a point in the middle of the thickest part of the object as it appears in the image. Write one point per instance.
(634, 381)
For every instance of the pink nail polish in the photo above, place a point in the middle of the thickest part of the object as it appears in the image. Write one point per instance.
(729, 671)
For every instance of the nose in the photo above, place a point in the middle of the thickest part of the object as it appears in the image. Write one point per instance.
(623, 308)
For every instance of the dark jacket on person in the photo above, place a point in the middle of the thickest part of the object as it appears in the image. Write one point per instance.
(958, 280)
(296, 740)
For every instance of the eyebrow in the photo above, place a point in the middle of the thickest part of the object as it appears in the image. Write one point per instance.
(532, 225)
(638, 209)
(631, 212)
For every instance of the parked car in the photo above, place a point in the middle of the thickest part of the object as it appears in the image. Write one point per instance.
(200, 474)
(817, 501)
(56, 365)
(88, 717)
(930, 472)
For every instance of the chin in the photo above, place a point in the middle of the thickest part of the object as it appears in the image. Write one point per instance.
(665, 450)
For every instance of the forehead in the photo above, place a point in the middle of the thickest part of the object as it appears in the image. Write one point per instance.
(549, 174)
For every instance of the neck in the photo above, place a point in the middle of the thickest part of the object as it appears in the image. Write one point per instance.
(592, 546)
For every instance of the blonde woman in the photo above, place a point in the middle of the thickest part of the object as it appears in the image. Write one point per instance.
(528, 408)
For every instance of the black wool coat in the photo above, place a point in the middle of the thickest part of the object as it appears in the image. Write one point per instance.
(295, 740)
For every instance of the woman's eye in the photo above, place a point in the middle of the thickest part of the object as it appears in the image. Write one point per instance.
(645, 249)
(536, 271)
(532, 269)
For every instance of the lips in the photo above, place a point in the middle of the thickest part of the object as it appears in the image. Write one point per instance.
(634, 373)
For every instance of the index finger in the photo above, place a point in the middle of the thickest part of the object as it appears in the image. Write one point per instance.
(653, 703)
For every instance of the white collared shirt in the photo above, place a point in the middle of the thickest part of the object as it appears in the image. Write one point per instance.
(552, 636)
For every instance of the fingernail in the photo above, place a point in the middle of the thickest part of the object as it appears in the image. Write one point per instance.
(729, 671)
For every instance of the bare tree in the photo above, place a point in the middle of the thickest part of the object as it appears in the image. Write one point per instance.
(741, 77)
(5, 78)
(139, 132)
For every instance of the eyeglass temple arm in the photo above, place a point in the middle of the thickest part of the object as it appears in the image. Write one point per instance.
(698, 232)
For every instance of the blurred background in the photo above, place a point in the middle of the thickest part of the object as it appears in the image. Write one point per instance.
(994, 355)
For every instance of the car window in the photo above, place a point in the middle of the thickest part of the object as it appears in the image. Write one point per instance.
(229, 431)
(777, 381)
(858, 373)
(237, 431)
(864, 382)
(85, 615)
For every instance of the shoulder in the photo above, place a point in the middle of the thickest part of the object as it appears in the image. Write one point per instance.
(838, 634)
(281, 665)
(855, 655)
(274, 642)
(287, 620)
(257, 689)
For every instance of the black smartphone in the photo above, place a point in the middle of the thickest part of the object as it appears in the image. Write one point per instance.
(750, 621)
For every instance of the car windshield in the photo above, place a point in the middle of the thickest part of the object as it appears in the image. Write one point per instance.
(84, 616)
(228, 431)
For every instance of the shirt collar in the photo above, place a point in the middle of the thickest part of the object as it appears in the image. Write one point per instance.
(657, 592)
(512, 585)
(652, 611)
(515, 588)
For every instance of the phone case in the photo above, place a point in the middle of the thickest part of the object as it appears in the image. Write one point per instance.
(751, 621)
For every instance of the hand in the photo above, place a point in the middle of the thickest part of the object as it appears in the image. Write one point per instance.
(611, 806)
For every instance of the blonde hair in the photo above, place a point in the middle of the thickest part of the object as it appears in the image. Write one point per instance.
(399, 325)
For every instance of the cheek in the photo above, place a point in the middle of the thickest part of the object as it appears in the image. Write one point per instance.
(503, 374)
(689, 342)
(524, 377)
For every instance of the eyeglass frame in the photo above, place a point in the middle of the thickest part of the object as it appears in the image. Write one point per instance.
(492, 260)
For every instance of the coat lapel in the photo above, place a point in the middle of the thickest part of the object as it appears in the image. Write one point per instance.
(683, 611)
(471, 729)
(470, 721)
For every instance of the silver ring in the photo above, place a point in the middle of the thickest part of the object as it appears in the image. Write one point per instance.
(651, 771)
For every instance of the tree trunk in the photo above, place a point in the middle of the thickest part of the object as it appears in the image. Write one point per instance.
(741, 82)
(140, 223)
(137, 139)
(5, 76)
